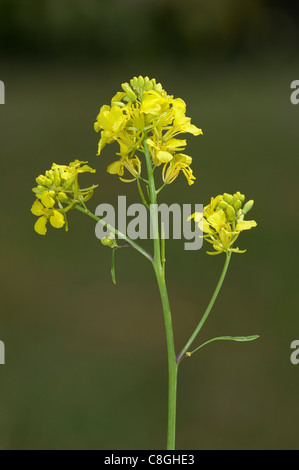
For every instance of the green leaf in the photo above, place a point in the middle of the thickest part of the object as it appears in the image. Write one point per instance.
(225, 338)
(238, 338)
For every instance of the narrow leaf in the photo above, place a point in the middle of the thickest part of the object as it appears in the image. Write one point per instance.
(238, 338)
(225, 338)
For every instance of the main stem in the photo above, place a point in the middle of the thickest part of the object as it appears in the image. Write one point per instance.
(160, 276)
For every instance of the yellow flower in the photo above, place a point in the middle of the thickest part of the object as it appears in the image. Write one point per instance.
(112, 120)
(182, 123)
(144, 111)
(151, 102)
(59, 186)
(222, 221)
(60, 183)
(179, 163)
(133, 165)
(45, 214)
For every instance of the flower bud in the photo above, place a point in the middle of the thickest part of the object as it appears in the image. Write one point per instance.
(62, 197)
(116, 103)
(50, 175)
(222, 205)
(237, 205)
(149, 86)
(248, 206)
(69, 182)
(231, 213)
(57, 180)
(41, 180)
(228, 198)
(106, 241)
(128, 90)
(240, 196)
(140, 81)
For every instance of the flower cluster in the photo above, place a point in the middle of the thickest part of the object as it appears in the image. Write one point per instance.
(144, 112)
(57, 191)
(222, 221)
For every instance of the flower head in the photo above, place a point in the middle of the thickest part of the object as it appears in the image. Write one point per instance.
(222, 221)
(143, 111)
(57, 191)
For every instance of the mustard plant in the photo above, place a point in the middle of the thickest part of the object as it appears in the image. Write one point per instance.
(147, 124)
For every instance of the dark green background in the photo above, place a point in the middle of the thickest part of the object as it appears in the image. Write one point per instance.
(86, 362)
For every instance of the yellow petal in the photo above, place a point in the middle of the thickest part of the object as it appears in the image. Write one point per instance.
(111, 119)
(151, 143)
(245, 225)
(179, 105)
(40, 225)
(47, 200)
(105, 138)
(197, 216)
(57, 219)
(175, 145)
(237, 250)
(86, 168)
(37, 208)
(205, 227)
(116, 168)
(97, 127)
(182, 158)
(118, 97)
(150, 103)
(188, 127)
(164, 157)
(217, 219)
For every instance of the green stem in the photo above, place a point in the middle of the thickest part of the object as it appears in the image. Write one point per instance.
(141, 193)
(160, 189)
(208, 309)
(116, 232)
(159, 272)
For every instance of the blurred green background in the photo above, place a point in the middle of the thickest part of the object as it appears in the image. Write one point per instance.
(86, 364)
